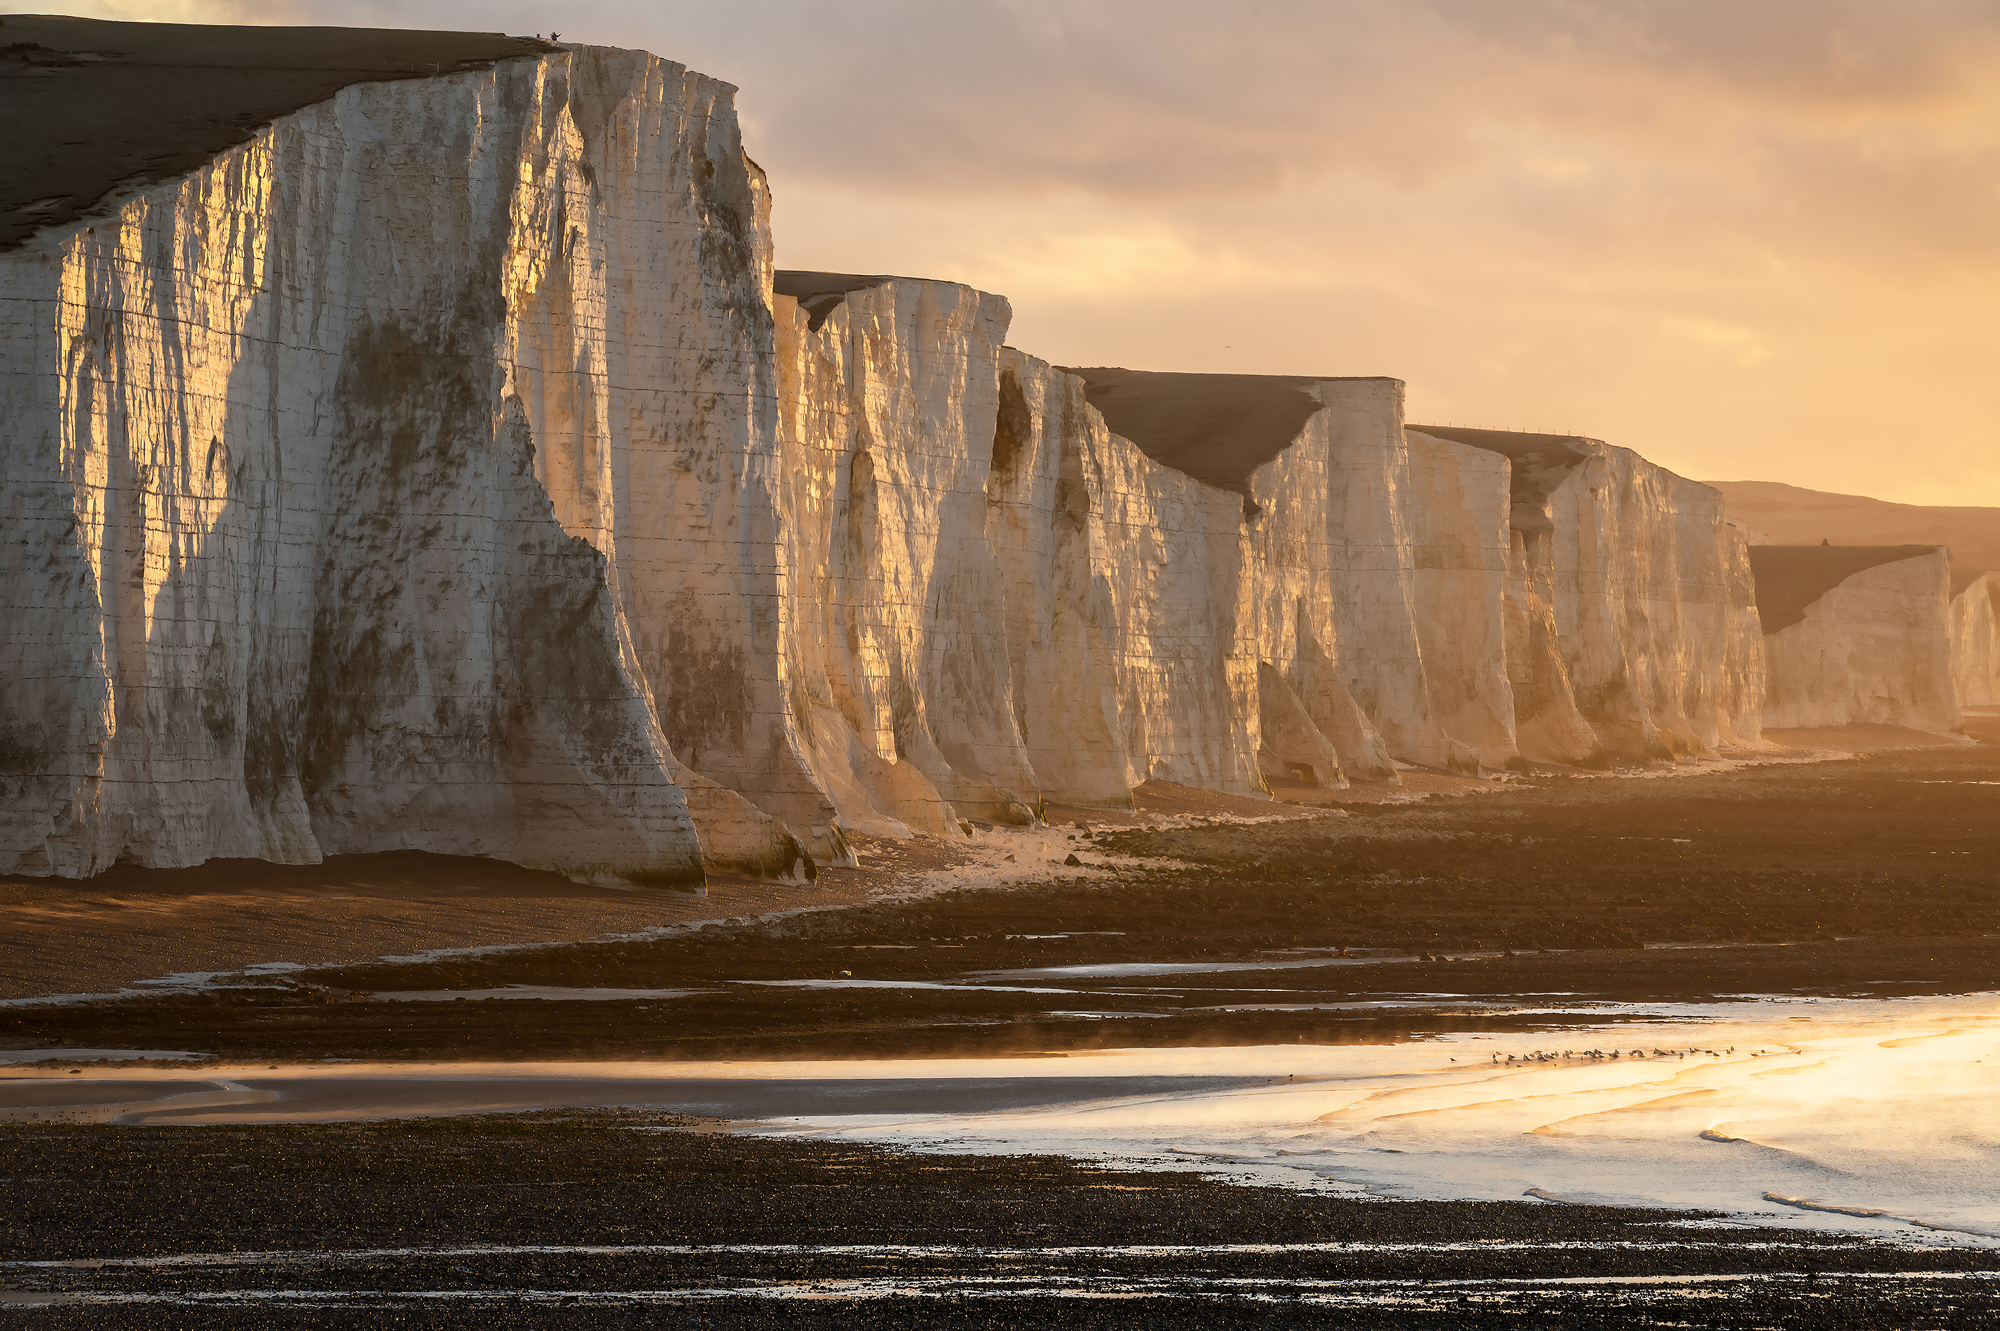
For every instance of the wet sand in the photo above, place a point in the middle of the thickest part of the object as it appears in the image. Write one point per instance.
(327, 1095)
(132, 925)
(591, 1220)
(1864, 1116)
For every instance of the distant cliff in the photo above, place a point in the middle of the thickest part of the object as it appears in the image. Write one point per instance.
(1975, 642)
(442, 464)
(1789, 515)
(1857, 635)
(1864, 528)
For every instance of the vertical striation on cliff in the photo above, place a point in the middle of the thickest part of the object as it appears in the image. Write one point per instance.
(1632, 614)
(1132, 595)
(308, 470)
(896, 669)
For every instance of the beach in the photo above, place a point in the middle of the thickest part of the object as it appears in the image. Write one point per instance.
(1755, 1003)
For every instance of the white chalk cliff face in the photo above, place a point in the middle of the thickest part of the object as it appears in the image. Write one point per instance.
(1975, 642)
(1059, 615)
(282, 441)
(895, 662)
(1131, 652)
(1632, 629)
(441, 469)
(1655, 609)
(1858, 635)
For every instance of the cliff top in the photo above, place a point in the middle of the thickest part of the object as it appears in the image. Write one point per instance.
(1551, 448)
(818, 293)
(1541, 462)
(1795, 516)
(1217, 428)
(1792, 577)
(95, 107)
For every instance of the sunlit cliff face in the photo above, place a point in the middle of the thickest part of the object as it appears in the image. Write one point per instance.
(1747, 240)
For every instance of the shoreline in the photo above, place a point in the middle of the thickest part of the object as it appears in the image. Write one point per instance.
(131, 930)
(1281, 981)
(1866, 876)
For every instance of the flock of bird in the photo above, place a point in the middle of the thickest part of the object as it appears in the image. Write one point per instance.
(1553, 1056)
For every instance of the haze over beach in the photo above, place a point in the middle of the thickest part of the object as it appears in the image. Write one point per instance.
(780, 665)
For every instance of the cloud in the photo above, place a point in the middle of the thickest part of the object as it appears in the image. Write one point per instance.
(180, 11)
(1710, 229)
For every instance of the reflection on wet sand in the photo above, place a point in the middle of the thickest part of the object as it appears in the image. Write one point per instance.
(1862, 1115)
(1866, 1115)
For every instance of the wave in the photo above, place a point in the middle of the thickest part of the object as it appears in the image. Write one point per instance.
(1877, 1213)
(1805, 1204)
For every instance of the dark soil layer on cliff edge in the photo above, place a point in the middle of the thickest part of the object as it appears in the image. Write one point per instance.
(610, 1219)
(98, 110)
(1874, 876)
(1792, 577)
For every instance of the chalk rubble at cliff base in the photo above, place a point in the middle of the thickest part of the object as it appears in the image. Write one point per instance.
(532, 513)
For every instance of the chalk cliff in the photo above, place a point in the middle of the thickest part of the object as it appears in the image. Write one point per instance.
(1128, 588)
(1857, 634)
(1975, 642)
(1275, 580)
(1631, 621)
(443, 464)
(310, 478)
(1656, 607)
(895, 663)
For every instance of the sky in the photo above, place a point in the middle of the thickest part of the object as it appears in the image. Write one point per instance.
(1752, 239)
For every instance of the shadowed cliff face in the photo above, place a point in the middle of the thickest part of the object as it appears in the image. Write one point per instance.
(412, 422)
(1975, 642)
